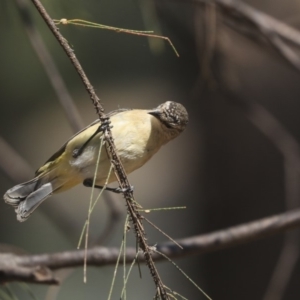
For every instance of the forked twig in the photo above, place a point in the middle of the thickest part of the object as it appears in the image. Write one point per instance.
(85, 23)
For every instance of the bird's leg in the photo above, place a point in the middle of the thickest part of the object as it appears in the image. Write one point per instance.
(89, 183)
(102, 127)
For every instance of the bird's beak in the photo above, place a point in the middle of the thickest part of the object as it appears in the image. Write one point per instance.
(154, 112)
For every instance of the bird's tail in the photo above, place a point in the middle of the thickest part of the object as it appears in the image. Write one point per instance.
(27, 196)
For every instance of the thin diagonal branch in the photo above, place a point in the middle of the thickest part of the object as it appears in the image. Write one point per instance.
(119, 170)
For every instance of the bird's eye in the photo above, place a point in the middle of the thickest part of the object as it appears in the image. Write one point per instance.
(175, 119)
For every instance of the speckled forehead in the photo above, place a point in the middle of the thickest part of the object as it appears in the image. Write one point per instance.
(171, 108)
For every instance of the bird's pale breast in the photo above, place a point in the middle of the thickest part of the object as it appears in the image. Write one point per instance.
(137, 139)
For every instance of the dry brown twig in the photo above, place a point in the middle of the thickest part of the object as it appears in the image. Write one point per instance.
(120, 173)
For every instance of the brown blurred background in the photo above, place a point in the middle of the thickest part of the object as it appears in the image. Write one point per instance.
(223, 167)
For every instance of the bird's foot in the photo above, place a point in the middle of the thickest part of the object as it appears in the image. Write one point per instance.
(89, 183)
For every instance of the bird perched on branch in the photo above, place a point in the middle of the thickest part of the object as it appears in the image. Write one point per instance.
(138, 135)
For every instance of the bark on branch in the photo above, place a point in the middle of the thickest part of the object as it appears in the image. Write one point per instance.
(135, 216)
(101, 256)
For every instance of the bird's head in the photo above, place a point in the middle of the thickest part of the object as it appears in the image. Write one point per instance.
(171, 114)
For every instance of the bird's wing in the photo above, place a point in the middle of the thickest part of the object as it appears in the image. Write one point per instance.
(63, 147)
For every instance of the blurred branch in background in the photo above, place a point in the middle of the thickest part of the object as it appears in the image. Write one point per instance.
(291, 248)
(290, 150)
(101, 256)
(259, 26)
(289, 147)
(49, 66)
(206, 18)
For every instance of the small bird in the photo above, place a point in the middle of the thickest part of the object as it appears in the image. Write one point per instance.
(138, 135)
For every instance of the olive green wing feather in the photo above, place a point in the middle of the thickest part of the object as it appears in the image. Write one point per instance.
(63, 147)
